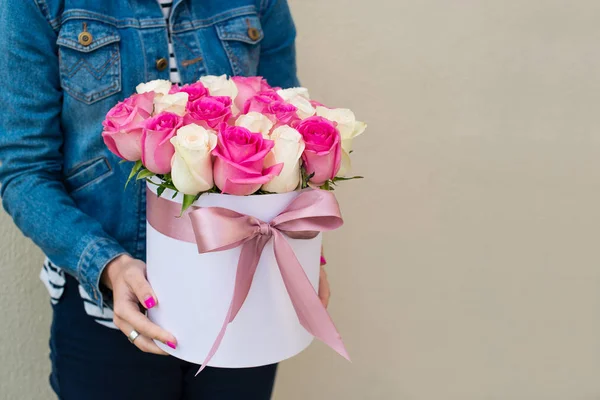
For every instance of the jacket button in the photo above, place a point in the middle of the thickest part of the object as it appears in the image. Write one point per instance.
(85, 38)
(253, 33)
(162, 64)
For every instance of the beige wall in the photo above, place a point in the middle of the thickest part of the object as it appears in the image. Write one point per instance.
(468, 267)
(24, 318)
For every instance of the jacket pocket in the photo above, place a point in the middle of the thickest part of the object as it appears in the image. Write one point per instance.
(90, 63)
(240, 37)
(86, 174)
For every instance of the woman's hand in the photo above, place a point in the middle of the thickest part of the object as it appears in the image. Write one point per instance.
(324, 289)
(126, 277)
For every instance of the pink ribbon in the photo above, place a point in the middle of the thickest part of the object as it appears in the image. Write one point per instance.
(217, 229)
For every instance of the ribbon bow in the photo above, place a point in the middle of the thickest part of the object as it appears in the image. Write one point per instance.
(218, 229)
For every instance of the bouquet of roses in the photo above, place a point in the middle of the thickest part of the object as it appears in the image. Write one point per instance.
(203, 148)
(238, 136)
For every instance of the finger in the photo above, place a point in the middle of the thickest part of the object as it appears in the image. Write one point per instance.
(129, 312)
(323, 259)
(324, 290)
(142, 342)
(136, 280)
(324, 296)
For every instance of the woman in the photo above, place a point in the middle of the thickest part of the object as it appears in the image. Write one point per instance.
(65, 64)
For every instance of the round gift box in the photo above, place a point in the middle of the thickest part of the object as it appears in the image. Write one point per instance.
(194, 291)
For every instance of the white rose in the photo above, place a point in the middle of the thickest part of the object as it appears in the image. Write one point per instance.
(219, 86)
(287, 94)
(288, 149)
(158, 86)
(255, 122)
(174, 103)
(191, 166)
(349, 128)
(299, 98)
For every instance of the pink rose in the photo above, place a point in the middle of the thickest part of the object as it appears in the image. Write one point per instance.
(270, 103)
(240, 158)
(260, 101)
(248, 87)
(194, 91)
(208, 111)
(157, 149)
(124, 123)
(323, 152)
(285, 113)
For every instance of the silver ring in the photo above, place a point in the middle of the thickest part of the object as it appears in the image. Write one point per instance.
(133, 335)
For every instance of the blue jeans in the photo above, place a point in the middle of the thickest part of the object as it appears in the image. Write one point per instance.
(93, 362)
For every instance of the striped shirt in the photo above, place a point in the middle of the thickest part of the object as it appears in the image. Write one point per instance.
(174, 72)
(52, 276)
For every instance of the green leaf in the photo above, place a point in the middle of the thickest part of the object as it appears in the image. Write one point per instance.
(263, 192)
(162, 184)
(134, 170)
(160, 190)
(305, 177)
(188, 200)
(341, 178)
(144, 174)
(165, 177)
(123, 161)
(326, 186)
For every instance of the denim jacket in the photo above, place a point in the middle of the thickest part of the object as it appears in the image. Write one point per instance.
(60, 184)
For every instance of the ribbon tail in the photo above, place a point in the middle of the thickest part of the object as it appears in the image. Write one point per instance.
(218, 340)
(249, 257)
(311, 313)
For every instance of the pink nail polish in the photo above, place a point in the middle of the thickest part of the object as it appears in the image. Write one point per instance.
(150, 302)
(323, 260)
(172, 345)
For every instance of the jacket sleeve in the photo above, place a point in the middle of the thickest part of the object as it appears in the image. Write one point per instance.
(31, 156)
(278, 51)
